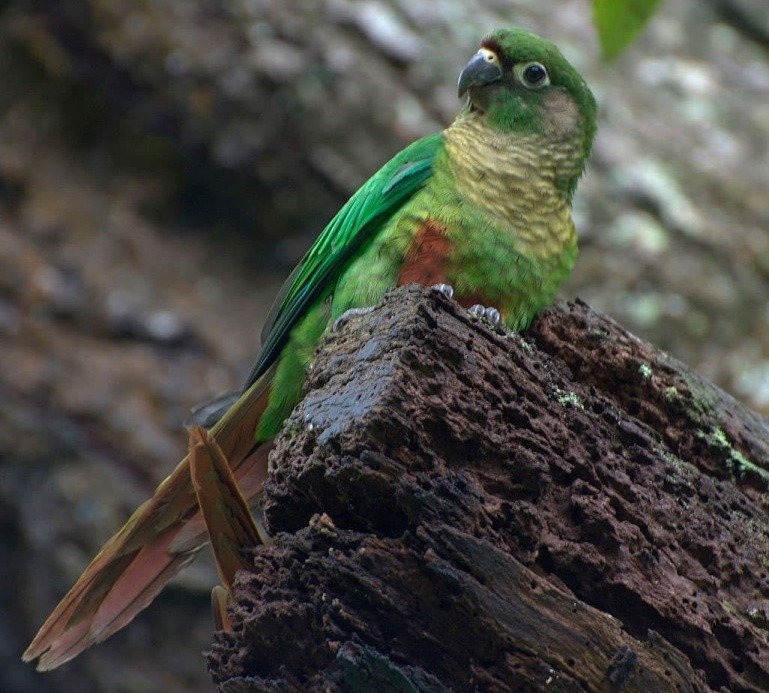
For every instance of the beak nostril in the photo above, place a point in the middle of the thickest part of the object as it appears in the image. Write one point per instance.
(482, 69)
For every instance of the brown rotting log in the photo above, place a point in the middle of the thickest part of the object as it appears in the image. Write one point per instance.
(461, 508)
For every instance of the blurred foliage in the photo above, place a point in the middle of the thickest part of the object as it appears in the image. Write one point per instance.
(619, 22)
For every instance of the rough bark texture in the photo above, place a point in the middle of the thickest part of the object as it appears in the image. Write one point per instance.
(459, 508)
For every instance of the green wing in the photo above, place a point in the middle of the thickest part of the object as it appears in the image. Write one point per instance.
(357, 221)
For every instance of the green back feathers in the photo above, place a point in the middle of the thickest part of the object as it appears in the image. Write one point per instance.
(352, 226)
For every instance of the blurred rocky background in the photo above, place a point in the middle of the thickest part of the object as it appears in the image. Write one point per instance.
(162, 166)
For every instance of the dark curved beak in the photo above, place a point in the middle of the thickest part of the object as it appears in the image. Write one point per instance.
(477, 73)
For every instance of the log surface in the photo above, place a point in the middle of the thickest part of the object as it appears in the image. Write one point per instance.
(460, 508)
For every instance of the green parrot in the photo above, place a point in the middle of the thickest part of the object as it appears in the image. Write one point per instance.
(483, 207)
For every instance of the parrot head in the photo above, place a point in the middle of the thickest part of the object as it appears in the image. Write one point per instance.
(519, 83)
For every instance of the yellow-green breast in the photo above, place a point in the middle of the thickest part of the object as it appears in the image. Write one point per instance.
(491, 221)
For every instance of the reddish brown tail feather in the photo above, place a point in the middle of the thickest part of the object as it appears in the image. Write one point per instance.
(159, 539)
(231, 529)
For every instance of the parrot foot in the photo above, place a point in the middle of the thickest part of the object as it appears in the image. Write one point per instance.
(345, 317)
(446, 289)
(485, 313)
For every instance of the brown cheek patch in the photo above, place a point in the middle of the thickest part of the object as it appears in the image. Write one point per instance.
(425, 262)
(562, 113)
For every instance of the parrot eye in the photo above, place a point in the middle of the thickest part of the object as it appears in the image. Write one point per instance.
(533, 75)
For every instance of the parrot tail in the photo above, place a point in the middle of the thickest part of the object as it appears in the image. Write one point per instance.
(162, 536)
(230, 526)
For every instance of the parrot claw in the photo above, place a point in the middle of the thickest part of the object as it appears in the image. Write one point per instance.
(343, 319)
(446, 289)
(485, 313)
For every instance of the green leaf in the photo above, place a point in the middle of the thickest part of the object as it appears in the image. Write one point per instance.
(619, 22)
